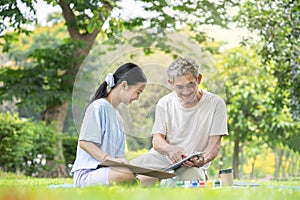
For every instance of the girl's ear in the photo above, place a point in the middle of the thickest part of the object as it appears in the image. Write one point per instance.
(124, 84)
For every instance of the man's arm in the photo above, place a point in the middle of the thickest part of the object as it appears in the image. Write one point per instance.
(211, 152)
(162, 146)
(212, 149)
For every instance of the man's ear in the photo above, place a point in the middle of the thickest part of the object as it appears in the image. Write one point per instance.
(170, 82)
(199, 79)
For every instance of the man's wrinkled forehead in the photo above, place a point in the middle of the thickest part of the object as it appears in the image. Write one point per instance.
(188, 77)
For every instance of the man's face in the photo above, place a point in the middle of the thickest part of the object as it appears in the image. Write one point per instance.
(186, 88)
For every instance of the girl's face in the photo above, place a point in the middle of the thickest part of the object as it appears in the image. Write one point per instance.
(132, 92)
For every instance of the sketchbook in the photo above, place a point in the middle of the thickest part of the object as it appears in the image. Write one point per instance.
(140, 170)
(178, 164)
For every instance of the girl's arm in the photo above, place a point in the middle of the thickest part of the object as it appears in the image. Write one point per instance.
(92, 149)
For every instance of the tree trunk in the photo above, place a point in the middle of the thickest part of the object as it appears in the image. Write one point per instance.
(252, 168)
(56, 115)
(235, 163)
(241, 160)
(284, 170)
(278, 160)
(298, 161)
(291, 165)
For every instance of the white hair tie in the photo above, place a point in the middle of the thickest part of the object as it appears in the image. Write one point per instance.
(110, 80)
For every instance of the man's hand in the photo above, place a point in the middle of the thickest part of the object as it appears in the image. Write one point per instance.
(162, 146)
(211, 150)
(197, 161)
(175, 153)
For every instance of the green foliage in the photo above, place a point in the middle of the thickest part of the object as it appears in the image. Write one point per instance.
(254, 115)
(278, 26)
(43, 81)
(42, 37)
(253, 111)
(25, 145)
(11, 12)
(243, 73)
(88, 17)
(293, 140)
(69, 143)
(12, 16)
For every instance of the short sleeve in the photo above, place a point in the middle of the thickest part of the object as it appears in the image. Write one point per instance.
(91, 128)
(160, 123)
(219, 124)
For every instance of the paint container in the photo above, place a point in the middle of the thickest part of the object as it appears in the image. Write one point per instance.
(202, 184)
(194, 184)
(179, 184)
(209, 183)
(217, 183)
(187, 184)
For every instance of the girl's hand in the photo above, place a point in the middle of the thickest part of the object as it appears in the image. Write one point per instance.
(120, 160)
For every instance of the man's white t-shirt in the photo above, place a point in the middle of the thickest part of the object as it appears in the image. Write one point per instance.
(190, 128)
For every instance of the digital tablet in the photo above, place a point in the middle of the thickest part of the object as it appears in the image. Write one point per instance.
(178, 164)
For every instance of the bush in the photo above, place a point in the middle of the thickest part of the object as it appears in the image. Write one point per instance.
(25, 145)
(69, 148)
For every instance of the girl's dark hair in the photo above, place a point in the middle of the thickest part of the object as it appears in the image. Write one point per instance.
(128, 72)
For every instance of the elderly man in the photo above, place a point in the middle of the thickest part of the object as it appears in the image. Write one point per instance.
(187, 120)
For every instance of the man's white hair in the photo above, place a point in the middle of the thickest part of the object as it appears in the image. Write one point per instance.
(181, 66)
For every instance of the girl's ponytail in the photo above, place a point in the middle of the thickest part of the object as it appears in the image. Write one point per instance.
(128, 72)
(101, 92)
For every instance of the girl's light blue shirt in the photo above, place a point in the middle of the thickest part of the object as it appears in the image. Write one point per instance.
(102, 125)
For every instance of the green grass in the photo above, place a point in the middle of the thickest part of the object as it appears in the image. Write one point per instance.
(20, 187)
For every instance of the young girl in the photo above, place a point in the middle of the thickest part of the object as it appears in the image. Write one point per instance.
(102, 130)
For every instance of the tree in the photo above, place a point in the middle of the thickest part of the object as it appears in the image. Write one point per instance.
(278, 26)
(84, 21)
(240, 70)
(248, 86)
(253, 112)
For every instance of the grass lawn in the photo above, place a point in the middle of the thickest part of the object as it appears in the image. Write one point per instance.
(14, 187)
